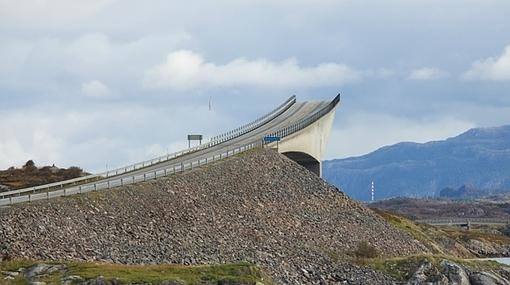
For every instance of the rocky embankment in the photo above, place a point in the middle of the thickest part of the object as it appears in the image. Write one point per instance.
(258, 207)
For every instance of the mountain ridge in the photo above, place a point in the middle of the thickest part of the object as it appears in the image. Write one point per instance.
(479, 157)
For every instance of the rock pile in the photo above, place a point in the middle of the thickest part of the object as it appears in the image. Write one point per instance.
(259, 207)
(448, 272)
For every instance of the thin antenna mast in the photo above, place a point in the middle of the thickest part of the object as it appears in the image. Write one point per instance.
(373, 191)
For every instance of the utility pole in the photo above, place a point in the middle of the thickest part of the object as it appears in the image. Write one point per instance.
(373, 191)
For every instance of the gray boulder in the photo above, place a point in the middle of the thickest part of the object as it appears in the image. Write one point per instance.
(426, 274)
(37, 270)
(485, 278)
(456, 274)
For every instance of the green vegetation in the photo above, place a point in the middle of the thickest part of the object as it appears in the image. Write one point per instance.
(30, 175)
(451, 241)
(239, 273)
(401, 268)
(476, 234)
(365, 250)
(427, 235)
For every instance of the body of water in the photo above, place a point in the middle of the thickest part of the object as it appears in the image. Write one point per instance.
(504, 260)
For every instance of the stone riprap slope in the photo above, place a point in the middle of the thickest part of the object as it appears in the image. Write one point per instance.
(259, 207)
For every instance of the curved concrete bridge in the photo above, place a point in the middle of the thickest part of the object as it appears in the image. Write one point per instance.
(303, 128)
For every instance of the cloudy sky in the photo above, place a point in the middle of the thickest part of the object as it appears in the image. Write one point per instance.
(96, 82)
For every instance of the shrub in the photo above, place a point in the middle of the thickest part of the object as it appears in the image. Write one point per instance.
(365, 250)
(29, 165)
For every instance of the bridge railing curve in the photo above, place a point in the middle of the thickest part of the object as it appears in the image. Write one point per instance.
(112, 183)
(298, 126)
(215, 141)
(177, 168)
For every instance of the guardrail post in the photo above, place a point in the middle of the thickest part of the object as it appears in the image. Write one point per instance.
(155, 175)
(144, 177)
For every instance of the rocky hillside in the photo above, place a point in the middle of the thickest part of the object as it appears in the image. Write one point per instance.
(478, 157)
(257, 207)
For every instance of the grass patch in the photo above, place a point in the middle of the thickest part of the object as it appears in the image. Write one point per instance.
(402, 268)
(238, 273)
(427, 235)
(462, 235)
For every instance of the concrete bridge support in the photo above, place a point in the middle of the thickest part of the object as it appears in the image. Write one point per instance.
(307, 147)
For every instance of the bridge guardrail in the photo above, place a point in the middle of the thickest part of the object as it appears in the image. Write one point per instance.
(217, 140)
(306, 121)
(224, 137)
(101, 185)
(177, 168)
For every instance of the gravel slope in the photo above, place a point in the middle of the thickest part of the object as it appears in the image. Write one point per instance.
(259, 207)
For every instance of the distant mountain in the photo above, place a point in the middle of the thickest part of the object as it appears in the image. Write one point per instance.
(479, 157)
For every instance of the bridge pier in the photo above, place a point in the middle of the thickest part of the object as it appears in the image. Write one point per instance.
(307, 147)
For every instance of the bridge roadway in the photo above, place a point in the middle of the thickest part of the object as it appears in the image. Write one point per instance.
(297, 112)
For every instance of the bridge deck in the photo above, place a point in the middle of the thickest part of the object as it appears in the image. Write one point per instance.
(294, 113)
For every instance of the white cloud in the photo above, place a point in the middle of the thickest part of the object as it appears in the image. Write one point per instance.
(42, 63)
(185, 70)
(90, 138)
(497, 69)
(427, 73)
(49, 11)
(96, 89)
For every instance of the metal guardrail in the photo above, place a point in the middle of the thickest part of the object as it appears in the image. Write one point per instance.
(306, 121)
(215, 141)
(258, 122)
(101, 185)
(176, 168)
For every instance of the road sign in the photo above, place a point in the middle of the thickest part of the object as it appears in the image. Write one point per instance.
(270, 139)
(195, 137)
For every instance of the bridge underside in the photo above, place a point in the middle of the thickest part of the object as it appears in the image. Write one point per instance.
(305, 160)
